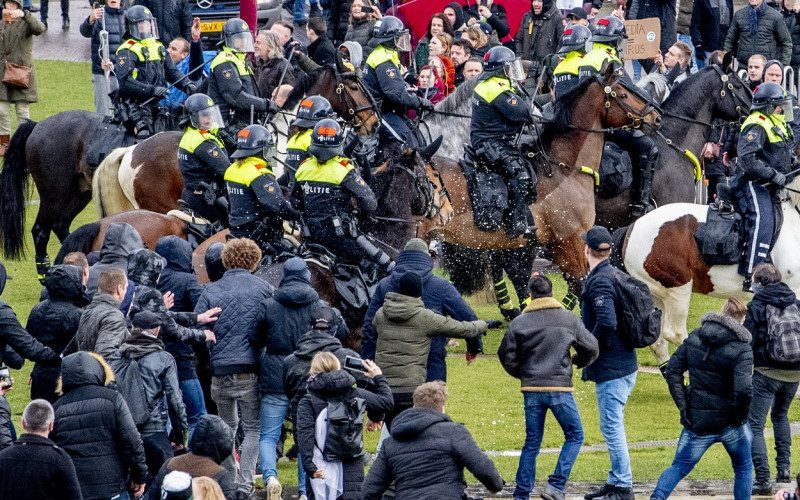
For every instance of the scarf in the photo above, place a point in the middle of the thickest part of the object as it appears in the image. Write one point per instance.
(753, 15)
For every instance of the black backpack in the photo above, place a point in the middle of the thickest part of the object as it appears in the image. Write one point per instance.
(639, 324)
(345, 427)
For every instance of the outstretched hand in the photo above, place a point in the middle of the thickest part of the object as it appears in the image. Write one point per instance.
(196, 33)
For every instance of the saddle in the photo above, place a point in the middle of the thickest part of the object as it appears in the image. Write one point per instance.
(108, 136)
(198, 229)
(355, 284)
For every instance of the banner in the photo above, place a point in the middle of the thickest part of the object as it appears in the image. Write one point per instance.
(644, 38)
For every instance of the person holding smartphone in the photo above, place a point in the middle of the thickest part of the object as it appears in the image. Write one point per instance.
(363, 15)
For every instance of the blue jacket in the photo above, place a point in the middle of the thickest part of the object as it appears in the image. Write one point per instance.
(115, 25)
(177, 276)
(599, 311)
(438, 295)
(175, 97)
(242, 297)
(285, 318)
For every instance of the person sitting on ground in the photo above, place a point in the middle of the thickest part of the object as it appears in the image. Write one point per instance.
(427, 453)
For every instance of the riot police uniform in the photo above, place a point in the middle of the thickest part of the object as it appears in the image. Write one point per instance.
(143, 67)
(232, 83)
(326, 182)
(256, 200)
(572, 49)
(309, 113)
(498, 115)
(202, 159)
(608, 33)
(383, 77)
(766, 152)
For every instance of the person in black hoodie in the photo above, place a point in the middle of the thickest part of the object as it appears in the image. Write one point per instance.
(714, 406)
(774, 383)
(427, 454)
(455, 13)
(321, 49)
(54, 322)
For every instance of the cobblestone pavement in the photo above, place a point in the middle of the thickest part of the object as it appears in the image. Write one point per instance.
(62, 45)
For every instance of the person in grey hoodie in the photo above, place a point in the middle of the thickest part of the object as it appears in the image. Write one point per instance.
(119, 242)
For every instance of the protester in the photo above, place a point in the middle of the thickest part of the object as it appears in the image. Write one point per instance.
(456, 15)
(331, 475)
(755, 70)
(427, 453)
(34, 468)
(16, 45)
(7, 434)
(188, 56)
(473, 68)
(320, 48)
(460, 53)
(64, 14)
(714, 405)
(102, 327)
(110, 17)
(664, 10)
(429, 85)
(439, 23)
(274, 71)
(790, 10)
(478, 39)
(119, 242)
(537, 350)
(773, 72)
(493, 15)
(539, 33)
(205, 488)
(363, 15)
(614, 370)
(94, 425)
(709, 27)
(675, 64)
(759, 29)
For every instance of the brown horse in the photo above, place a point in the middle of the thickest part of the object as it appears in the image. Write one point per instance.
(567, 161)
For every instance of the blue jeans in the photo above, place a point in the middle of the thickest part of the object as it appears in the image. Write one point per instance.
(769, 393)
(687, 39)
(299, 11)
(563, 406)
(611, 398)
(691, 447)
(273, 413)
(194, 402)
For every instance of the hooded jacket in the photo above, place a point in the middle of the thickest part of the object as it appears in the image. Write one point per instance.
(536, 347)
(211, 443)
(426, 456)
(405, 328)
(540, 35)
(54, 322)
(119, 242)
(177, 276)
(778, 295)
(330, 386)
(438, 295)
(93, 424)
(461, 16)
(101, 329)
(719, 360)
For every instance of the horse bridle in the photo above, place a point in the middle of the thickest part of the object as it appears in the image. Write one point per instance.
(636, 117)
(347, 100)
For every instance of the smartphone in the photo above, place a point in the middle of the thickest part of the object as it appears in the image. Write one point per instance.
(366, 9)
(5, 377)
(353, 363)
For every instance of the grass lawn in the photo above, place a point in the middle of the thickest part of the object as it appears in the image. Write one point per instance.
(482, 395)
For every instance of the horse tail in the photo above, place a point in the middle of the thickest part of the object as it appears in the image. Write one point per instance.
(15, 184)
(109, 198)
(466, 266)
(619, 238)
(80, 240)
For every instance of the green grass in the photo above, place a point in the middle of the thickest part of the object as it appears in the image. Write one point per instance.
(482, 395)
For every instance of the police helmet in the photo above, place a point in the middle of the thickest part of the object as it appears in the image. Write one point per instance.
(608, 29)
(236, 36)
(502, 58)
(311, 110)
(326, 140)
(140, 23)
(253, 140)
(768, 96)
(390, 32)
(203, 113)
(574, 39)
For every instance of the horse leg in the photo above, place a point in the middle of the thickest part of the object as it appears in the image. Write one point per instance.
(518, 265)
(41, 237)
(674, 302)
(568, 256)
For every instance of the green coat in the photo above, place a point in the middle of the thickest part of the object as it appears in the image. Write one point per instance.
(404, 329)
(16, 46)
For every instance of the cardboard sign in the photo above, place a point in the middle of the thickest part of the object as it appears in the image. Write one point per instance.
(644, 38)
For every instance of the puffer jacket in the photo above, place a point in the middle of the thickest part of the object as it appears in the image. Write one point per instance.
(778, 295)
(438, 295)
(242, 297)
(405, 328)
(361, 32)
(332, 386)
(285, 318)
(93, 424)
(102, 328)
(426, 456)
(119, 242)
(771, 39)
(159, 380)
(539, 36)
(211, 444)
(54, 322)
(719, 360)
(536, 347)
(115, 25)
(792, 20)
(174, 18)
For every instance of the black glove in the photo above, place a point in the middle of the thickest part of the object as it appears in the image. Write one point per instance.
(779, 179)
(410, 78)
(291, 213)
(699, 53)
(272, 108)
(425, 105)
(160, 91)
(190, 88)
(494, 323)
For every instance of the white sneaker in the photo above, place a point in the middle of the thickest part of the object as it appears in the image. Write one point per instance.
(303, 497)
(274, 488)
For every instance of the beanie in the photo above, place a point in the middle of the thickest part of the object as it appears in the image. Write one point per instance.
(146, 320)
(323, 318)
(296, 267)
(411, 285)
(416, 245)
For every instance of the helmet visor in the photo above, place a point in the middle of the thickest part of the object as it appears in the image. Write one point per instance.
(208, 119)
(240, 42)
(142, 30)
(514, 70)
(402, 41)
(787, 109)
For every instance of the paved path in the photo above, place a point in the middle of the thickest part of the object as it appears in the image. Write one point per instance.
(62, 45)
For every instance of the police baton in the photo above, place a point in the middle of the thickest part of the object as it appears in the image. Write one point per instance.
(787, 175)
(285, 68)
(172, 85)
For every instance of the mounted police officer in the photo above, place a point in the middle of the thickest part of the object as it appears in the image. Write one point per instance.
(143, 69)
(383, 77)
(766, 154)
(310, 111)
(572, 49)
(257, 204)
(232, 83)
(608, 34)
(326, 182)
(202, 159)
(499, 113)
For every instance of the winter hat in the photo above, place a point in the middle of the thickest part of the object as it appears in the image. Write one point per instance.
(324, 317)
(772, 62)
(146, 320)
(410, 285)
(177, 485)
(296, 267)
(486, 28)
(416, 245)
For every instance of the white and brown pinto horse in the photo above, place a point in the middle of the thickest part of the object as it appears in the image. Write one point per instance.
(660, 250)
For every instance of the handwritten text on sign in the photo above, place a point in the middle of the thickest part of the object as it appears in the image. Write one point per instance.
(644, 38)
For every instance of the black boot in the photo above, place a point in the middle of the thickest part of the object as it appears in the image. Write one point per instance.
(600, 492)
(783, 476)
(643, 186)
(747, 284)
(519, 221)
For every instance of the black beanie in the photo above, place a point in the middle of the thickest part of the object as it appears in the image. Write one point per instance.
(411, 285)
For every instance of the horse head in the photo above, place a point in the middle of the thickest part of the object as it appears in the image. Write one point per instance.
(349, 98)
(626, 105)
(731, 97)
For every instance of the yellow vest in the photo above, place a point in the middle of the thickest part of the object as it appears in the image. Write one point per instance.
(570, 65)
(599, 54)
(380, 55)
(492, 87)
(300, 141)
(332, 171)
(237, 58)
(768, 122)
(246, 170)
(152, 45)
(193, 137)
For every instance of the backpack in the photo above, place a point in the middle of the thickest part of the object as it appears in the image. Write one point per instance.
(783, 333)
(639, 325)
(345, 426)
(129, 384)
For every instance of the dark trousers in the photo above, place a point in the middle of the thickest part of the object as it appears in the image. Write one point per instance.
(157, 450)
(402, 401)
(769, 393)
(45, 7)
(343, 247)
(711, 189)
(395, 128)
(756, 205)
(197, 203)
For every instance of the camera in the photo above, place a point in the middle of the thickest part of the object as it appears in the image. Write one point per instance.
(353, 363)
(5, 377)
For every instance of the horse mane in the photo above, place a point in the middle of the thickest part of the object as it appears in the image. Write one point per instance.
(454, 102)
(678, 93)
(563, 107)
(659, 84)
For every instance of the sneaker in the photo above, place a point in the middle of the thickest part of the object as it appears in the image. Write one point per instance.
(274, 488)
(600, 492)
(302, 497)
(762, 489)
(553, 493)
(619, 493)
(783, 477)
(34, 8)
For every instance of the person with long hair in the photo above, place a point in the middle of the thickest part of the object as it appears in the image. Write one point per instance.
(439, 23)
(361, 23)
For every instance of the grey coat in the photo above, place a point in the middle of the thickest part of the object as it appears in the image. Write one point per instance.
(102, 328)
(772, 38)
(16, 46)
